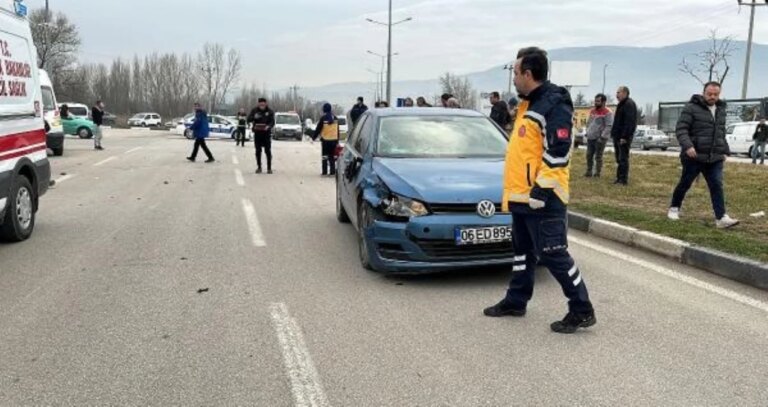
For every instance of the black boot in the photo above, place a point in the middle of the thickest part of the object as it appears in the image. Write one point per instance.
(503, 308)
(573, 321)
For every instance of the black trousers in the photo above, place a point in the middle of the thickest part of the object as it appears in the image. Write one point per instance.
(263, 143)
(329, 149)
(240, 136)
(200, 143)
(622, 160)
(541, 237)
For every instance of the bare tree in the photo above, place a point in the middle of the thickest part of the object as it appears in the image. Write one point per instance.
(460, 88)
(711, 64)
(219, 71)
(56, 38)
(580, 100)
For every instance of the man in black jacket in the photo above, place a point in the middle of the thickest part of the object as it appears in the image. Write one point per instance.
(760, 138)
(499, 112)
(357, 111)
(701, 133)
(263, 120)
(97, 115)
(622, 132)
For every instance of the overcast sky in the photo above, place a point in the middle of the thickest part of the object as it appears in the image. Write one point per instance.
(316, 42)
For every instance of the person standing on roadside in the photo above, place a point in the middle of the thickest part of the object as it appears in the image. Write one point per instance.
(97, 114)
(200, 129)
(421, 102)
(263, 120)
(499, 111)
(537, 191)
(328, 131)
(444, 99)
(622, 132)
(408, 102)
(761, 138)
(357, 111)
(453, 103)
(598, 133)
(242, 126)
(704, 148)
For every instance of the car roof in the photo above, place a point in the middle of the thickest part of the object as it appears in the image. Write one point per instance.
(423, 111)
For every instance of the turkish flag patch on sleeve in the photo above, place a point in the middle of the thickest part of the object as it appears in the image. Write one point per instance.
(563, 134)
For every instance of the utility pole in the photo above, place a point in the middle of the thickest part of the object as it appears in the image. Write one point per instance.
(294, 96)
(383, 58)
(511, 68)
(605, 69)
(389, 26)
(753, 4)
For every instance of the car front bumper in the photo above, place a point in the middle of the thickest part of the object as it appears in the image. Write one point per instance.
(427, 244)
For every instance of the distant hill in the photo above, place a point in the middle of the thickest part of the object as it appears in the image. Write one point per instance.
(651, 73)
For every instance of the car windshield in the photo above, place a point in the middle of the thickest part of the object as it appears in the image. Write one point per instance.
(439, 136)
(78, 111)
(137, 116)
(48, 102)
(288, 119)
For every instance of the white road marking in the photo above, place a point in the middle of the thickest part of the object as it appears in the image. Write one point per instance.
(724, 292)
(102, 162)
(253, 224)
(235, 160)
(305, 382)
(239, 177)
(133, 149)
(63, 178)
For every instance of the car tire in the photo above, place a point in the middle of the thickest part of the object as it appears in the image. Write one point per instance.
(143, 125)
(664, 149)
(341, 213)
(364, 219)
(19, 221)
(58, 152)
(645, 148)
(188, 134)
(84, 133)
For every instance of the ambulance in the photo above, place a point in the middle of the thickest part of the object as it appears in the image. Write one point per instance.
(24, 168)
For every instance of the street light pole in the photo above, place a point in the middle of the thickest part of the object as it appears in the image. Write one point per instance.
(605, 69)
(383, 59)
(389, 24)
(511, 69)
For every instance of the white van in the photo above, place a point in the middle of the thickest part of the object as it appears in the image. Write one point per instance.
(739, 136)
(24, 168)
(77, 109)
(55, 136)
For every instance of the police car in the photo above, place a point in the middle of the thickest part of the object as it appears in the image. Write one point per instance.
(24, 168)
(220, 126)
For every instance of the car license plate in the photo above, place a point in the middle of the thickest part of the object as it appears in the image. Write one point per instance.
(483, 235)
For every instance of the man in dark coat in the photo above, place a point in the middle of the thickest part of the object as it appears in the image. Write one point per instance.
(622, 132)
(701, 133)
(262, 119)
(357, 110)
(499, 111)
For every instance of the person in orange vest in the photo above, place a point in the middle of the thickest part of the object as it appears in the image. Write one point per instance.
(536, 191)
(328, 131)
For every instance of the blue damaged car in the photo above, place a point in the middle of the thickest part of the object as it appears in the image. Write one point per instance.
(423, 188)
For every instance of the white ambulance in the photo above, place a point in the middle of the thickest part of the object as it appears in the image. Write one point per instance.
(24, 168)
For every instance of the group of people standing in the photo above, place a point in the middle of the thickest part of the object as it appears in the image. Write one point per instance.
(261, 119)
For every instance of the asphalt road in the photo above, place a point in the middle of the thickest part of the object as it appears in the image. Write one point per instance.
(154, 281)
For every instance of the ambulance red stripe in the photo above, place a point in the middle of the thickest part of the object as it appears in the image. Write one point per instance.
(21, 140)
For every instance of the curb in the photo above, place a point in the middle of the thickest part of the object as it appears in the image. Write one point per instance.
(726, 265)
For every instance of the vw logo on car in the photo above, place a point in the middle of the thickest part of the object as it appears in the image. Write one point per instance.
(486, 209)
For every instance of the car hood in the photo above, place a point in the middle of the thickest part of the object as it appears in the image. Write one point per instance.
(440, 180)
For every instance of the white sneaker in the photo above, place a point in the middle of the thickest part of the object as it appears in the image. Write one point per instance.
(674, 214)
(726, 222)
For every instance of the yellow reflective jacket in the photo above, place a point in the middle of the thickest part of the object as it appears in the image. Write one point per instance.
(539, 149)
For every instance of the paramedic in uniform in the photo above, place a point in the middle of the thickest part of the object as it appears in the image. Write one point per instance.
(328, 130)
(536, 191)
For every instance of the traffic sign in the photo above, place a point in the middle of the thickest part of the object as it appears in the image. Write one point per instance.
(21, 8)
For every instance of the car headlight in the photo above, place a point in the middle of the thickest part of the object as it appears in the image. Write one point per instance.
(278, 128)
(399, 206)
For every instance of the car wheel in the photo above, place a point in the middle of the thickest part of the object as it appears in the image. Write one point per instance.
(84, 133)
(188, 134)
(143, 124)
(664, 149)
(645, 148)
(341, 213)
(58, 152)
(364, 220)
(20, 217)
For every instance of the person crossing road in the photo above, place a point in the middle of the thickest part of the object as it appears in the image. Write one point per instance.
(263, 120)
